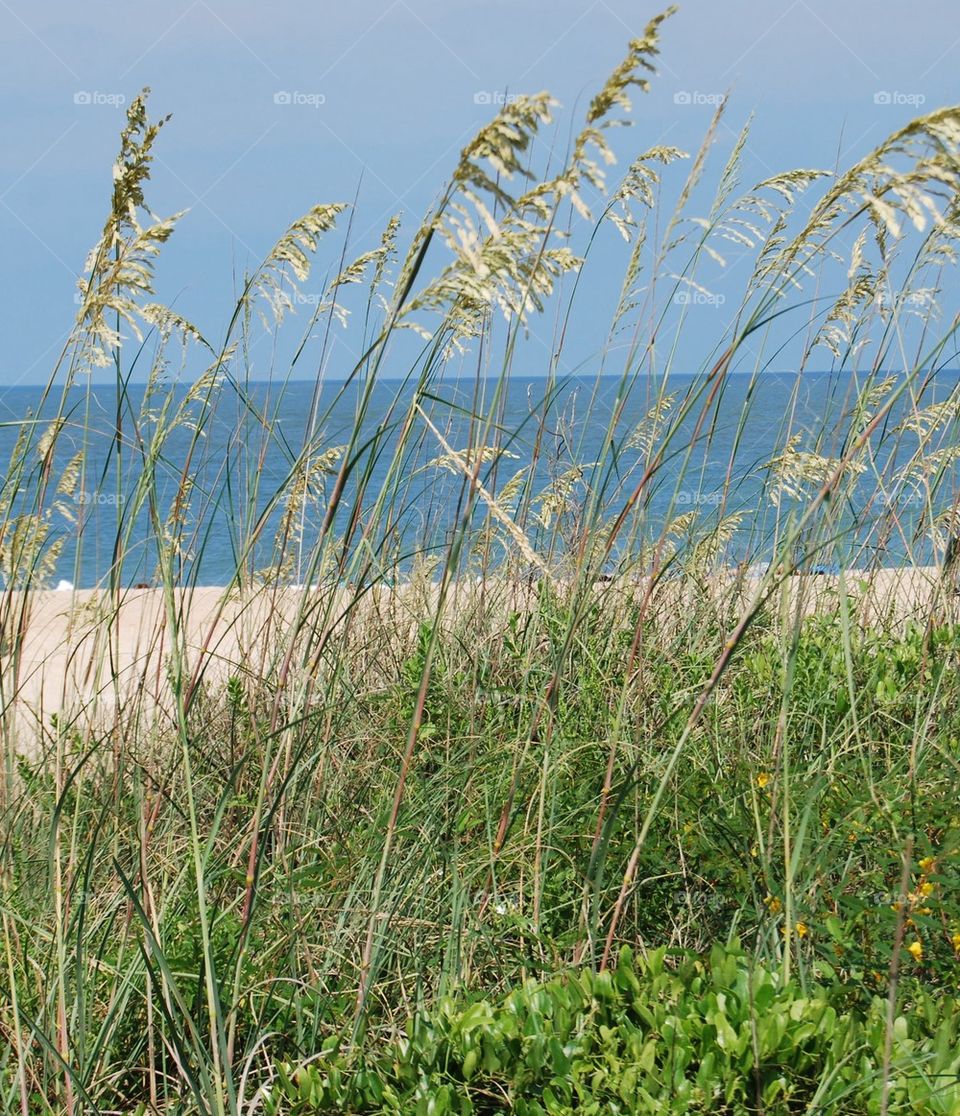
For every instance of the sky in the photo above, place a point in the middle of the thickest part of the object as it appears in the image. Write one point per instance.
(276, 107)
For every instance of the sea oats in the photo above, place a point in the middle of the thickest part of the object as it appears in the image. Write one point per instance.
(557, 499)
(510, 491)
(647, 432)
(922, 468)
(454, 463)
(119, 268)
(167, 322)
(842, 319)
(925, 422)
(873, 185)
(711, 547)
(797, 474)
(639, 184)
(499, 513)
(510, 262)
(291, 254)
(357, 779)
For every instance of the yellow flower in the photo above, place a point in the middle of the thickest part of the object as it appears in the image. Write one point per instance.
(773, 904)
(927, 865)
(926, 888)
(915, 949)
(762, 779)
(955, 939)
(801, 929)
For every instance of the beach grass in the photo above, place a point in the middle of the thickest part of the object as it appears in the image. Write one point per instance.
(320, 836)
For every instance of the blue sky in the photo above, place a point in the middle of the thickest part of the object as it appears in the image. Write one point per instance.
(279, 106)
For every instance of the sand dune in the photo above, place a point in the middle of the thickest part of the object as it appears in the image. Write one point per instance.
(85, 656)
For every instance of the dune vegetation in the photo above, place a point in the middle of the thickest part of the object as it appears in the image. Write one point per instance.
(557, 788)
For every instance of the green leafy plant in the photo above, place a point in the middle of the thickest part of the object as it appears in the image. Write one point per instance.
(678, 1034)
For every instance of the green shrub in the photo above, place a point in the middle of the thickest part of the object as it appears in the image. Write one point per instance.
(694, 1035)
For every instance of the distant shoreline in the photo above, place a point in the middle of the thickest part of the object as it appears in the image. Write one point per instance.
(753, 570)
(807, 373)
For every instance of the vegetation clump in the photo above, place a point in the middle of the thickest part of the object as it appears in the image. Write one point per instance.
(498, 776)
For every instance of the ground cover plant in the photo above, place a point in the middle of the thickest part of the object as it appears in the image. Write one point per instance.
(562, 789)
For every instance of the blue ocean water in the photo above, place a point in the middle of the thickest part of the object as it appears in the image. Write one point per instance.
(575, 434)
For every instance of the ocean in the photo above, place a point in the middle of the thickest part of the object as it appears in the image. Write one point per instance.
(568, 439)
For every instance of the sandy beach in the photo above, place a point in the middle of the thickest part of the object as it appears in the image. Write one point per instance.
(84, 656)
